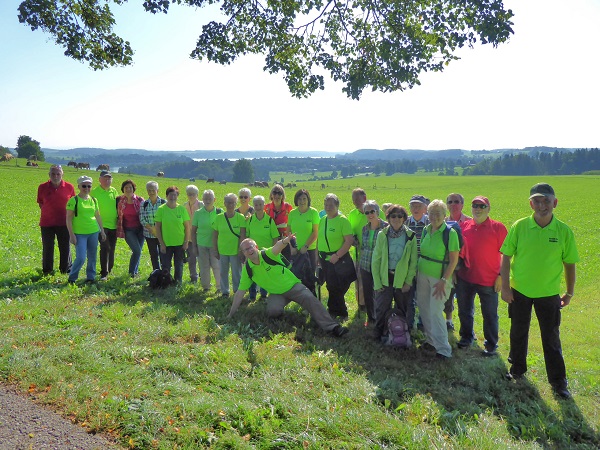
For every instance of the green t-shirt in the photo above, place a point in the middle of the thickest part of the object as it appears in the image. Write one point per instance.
(227, 242)
(107, 202)
(274, 279)
(302, 225)
(262, 231)
(337, 228)
(537, 256)
(171, 220)
(204, 220)
(85, 222)
(432, 246)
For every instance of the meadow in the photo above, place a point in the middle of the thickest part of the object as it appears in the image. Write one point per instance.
(168, 370)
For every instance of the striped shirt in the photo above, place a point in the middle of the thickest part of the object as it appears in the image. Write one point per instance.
(417, 227)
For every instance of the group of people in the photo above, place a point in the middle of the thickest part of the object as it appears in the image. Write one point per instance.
(422, 260)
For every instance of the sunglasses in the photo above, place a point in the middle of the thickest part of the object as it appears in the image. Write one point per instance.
(86, 186)
(243, 196)
(277, 193)
(395, 216)
(478, 205)
(370, 212)
(456, 202)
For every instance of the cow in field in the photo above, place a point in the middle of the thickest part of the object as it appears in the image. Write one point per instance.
(210, 180)
(83, 165)
(103, 167)
(160, 174)
(6, 157)
(192, 179)
(32, 164)
(72, 164)
(323, 186)
(222, 182)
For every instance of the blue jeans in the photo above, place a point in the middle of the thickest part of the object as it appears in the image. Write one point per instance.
(236, 272)
(488, 299)
(135, 239)
(175, 253)
(87, 246)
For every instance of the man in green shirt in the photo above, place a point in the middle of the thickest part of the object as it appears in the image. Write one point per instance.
(282, 285)
(535, 253)
(106, 196)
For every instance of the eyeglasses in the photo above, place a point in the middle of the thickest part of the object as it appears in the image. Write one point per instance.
(478, 205)
(86, 186)
(370, 212)
(243, 196)
(456, 202)
(395, 216)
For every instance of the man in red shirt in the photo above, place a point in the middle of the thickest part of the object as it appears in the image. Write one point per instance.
(52, 197)
(483, 238)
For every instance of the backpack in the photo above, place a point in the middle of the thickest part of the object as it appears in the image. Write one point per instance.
(398, 332)
(160, 279)
(450, 225)
(77, 200)
(284, 262)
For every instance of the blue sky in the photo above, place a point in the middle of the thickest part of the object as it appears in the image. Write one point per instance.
(541, 88)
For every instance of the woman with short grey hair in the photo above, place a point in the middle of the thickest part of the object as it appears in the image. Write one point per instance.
(369, 237)
(229, 231)
(192, 205)
(245, 209)
(147, 213)
(202, 234)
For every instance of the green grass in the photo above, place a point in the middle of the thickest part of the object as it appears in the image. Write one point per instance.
(168, 370)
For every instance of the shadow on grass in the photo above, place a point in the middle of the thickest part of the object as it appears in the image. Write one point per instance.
(464, 388)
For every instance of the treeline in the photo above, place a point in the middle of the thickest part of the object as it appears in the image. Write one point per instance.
(541, 163)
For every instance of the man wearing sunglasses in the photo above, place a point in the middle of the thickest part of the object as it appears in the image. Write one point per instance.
(455, 203)
(483, 239)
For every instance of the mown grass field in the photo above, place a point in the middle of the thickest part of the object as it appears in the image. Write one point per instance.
(168, 370)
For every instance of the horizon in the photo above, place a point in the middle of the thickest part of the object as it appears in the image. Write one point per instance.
(511, 97)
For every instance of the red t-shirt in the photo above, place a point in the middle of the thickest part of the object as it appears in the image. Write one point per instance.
(482, 244)
(131, 218)
(280, 217)
(53, 203)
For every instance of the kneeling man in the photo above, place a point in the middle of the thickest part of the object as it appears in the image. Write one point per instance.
(281, 284)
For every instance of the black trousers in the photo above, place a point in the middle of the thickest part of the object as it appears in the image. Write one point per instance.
(107, 252)
(62, 236)
(154, 250)
(547, 310)
(336, 304)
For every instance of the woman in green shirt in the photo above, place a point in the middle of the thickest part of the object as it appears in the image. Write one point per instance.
(84, 224)
(173, 231)
(229, 231)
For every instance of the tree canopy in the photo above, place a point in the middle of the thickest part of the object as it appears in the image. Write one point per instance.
(380, 44)
(27, 147)
(243, 172)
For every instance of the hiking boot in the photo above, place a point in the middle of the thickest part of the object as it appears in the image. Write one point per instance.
(450, 325)
(489, 352)
(513, 376)
(561, 392)
(441, 357)
(427, 347)
(339, 331)
(463, 343)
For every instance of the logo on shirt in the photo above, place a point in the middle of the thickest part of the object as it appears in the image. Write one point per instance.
(552, 239)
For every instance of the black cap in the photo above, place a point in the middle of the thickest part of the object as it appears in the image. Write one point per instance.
(541, 190)
(419, 199)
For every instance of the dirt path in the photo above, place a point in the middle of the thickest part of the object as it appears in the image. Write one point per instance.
(26, 425)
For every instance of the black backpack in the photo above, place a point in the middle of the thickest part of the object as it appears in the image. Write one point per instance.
(450, 225)
(284, 262)
(77, 201)
(160, 279)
